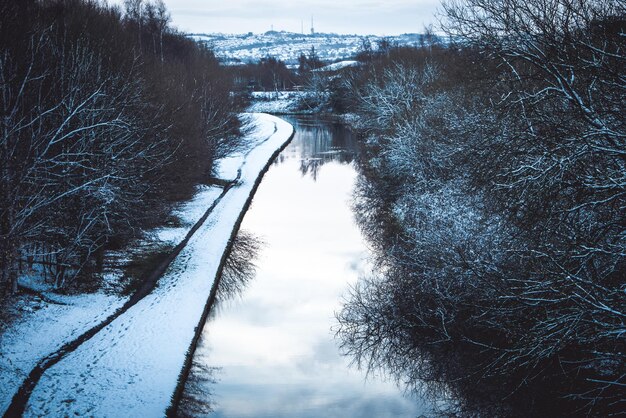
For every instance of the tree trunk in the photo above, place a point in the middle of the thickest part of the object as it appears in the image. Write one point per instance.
(13, 274)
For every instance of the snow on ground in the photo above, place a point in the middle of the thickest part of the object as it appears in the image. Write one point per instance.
(42, 329)
(285, 102)
(131, 367)
(228, 168)
(337, 66)
(188, 214)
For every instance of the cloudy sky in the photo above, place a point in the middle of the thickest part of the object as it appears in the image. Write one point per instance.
(379, 17)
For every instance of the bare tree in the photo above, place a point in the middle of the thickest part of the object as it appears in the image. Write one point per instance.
(499, 226)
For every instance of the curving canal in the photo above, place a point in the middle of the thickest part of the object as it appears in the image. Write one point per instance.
(268, 349)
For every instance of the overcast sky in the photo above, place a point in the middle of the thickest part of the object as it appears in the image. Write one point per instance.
(378, 17)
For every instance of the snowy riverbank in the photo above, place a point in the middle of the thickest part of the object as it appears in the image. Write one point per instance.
(288, 102)
(131, 367)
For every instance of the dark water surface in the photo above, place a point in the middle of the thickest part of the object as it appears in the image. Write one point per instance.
(270, 351)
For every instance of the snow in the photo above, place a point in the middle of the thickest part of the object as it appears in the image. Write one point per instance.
(131, 367)
(237, 49)
(338, 66)
(21, 343)
(285, 102)
(42, 329)
(188, 214)
(228, 168)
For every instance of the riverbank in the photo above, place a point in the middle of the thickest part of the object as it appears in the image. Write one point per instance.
(289, 102)
(139, 355)
(272, 341)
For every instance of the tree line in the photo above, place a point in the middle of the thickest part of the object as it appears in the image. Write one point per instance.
(108, 115)
(273, 74)
(493, 194)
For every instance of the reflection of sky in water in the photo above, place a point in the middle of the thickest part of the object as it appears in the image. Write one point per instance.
(274, 348)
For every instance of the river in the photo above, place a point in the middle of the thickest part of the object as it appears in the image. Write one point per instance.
(269, 349)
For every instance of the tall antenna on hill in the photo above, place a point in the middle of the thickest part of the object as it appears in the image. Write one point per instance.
(312, 27)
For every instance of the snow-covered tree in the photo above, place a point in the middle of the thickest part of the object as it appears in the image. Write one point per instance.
(495, 206)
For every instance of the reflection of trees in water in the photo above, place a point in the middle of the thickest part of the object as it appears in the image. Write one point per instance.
(421, 328)
(239, 271)
(197, 397)
(240, 267)
(443, 327)
(376, 324)
(318, 143)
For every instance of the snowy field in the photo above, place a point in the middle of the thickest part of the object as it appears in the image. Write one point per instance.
(286, 102)
(130, 368)
(341, 65)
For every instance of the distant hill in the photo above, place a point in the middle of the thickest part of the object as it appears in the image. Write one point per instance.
(287, 46)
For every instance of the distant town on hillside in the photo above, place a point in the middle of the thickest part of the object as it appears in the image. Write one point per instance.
(235, 49)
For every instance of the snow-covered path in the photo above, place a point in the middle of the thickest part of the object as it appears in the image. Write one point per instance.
(131, 367)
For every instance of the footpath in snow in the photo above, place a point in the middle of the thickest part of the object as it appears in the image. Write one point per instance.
(131, 366)
(44, 326)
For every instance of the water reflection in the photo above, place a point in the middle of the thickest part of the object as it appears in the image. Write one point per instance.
(240, 267)
(197, 397)
(272, 351)
(382, 323)
(320, 141)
